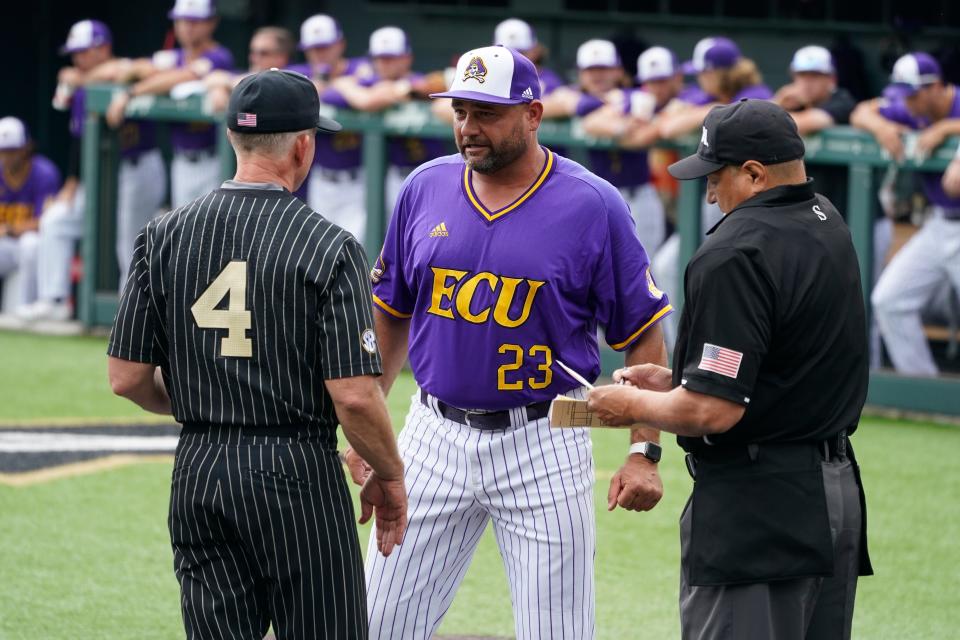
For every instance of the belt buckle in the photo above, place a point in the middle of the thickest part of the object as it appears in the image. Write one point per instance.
(471, 412)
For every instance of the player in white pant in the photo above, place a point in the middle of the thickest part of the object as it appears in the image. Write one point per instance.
(340, 195)
(533, 483)
(142, 187)
(485, 320)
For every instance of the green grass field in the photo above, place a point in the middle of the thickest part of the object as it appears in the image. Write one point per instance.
(89, 556)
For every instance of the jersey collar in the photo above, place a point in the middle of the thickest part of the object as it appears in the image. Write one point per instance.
(784, 195)
(490, 216)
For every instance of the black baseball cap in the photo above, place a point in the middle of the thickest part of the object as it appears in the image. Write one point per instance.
(276, 101)
(745, 130)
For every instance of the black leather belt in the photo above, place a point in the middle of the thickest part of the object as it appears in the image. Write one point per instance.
(273, 431)
(196, 155)
(832, 448)
(486, 420)
(339, 175)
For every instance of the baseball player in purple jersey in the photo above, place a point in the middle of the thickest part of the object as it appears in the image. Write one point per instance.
(141, 181)
(27, 181)
(484, 320)
(393, 82)
(518, 34)
(917, 99)
(195, 168)
(335, 184)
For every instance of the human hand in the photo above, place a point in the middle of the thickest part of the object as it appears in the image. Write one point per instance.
(358, 467)
(70, 75)
(116, 112)
(612, 404)
(889, 137)
(646, 376)
(951, 179)
(387, 501)
(636, 486)
(929, 139)
(790, 97)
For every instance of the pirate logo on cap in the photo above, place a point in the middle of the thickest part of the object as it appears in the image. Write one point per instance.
(476, 70)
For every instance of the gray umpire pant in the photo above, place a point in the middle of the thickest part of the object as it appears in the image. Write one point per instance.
(262, 532)
(800, 609)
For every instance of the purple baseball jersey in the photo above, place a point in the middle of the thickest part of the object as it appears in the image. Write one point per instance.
(135, 136)
(488, 315)
(897, 111)
(341, 150)
(21, 202)
(755, 92)
(196, 136)
(693, 94)
(619, 168)
(407, 151)
(549, 80)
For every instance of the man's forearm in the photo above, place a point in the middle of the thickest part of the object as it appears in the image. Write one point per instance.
(683, 412)
(367, 428)
(648, 348)
(151, 395)
(162, 82)
(392, 337)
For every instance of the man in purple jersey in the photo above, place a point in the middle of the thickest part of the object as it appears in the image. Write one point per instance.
(27, 181)
(141, 180)
(484, 320)
(195, 169)
(918, 99)
(518, 34)
(335, 184)
(393, 82)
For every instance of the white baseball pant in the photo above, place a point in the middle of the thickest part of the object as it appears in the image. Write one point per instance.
(340, 197)
(61, 226)
(395, 178)
(18, 268)
(141, 187)
(533, 482)
(911, 280)
(646, 207)
(193, 176)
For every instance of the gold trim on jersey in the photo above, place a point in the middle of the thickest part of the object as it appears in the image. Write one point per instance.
(383, 305)
(493, 215)
(659, 314)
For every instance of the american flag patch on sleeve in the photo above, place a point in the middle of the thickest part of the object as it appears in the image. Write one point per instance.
(720, 360)
(246, 119)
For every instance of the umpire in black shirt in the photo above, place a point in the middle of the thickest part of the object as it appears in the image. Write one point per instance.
(768, 382)
(248, 316)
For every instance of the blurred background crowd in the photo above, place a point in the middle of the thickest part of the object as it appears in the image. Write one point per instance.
(640, 84)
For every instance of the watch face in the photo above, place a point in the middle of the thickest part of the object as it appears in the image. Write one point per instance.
(654, 451)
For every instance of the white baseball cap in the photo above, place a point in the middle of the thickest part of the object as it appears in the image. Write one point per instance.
(812, 59)
(498, 75)
(13, 134)
(516, 34)
(319, 31)
(84, 35)
(657, 63)
(193, 10)
(597, 53)
(388, 42)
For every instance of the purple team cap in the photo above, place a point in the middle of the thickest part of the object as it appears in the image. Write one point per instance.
(498, 75)
(320, 30)
(712, 53)
(516, 34)
(193, 10)
(389, 42)
(84, 35)
(13, 134)
(812, 59)
(912, 72)
(597, 53)
(656, 63)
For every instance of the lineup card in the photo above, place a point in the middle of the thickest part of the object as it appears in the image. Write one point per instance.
(568, 412)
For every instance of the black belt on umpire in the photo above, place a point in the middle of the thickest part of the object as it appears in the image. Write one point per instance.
(832, 448)
(486, 420)
(272, 431)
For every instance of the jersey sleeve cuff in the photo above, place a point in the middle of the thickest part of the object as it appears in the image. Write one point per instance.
(132, 355)
(386, 308)
(659, 315)
(353, 370)
(714, 388)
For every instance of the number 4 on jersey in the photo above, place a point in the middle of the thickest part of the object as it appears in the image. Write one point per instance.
(232, 281)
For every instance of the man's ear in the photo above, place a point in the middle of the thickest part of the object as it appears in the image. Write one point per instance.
(535, 114)
(756, 171)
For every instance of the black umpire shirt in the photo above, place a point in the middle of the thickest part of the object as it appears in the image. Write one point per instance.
(247, 299)
(774, 320)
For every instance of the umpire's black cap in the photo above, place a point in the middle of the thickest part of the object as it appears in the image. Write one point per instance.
(745, 130)
(275, 101)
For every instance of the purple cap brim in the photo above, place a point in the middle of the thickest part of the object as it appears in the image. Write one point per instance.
(179, 16)
(689, 68)
(477, 96)
(662, 76)
(317, 45)
(898, 91)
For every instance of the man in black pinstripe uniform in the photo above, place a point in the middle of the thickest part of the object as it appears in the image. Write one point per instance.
(248, 317)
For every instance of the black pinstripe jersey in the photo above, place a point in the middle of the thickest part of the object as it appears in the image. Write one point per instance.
(247, 299)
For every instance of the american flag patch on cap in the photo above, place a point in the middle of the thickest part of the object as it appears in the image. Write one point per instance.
(720, 360)
(246, 119)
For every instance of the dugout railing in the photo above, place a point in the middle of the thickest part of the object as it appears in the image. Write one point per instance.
(844, 147)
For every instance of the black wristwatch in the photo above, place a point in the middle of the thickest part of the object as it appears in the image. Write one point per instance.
(649, 450)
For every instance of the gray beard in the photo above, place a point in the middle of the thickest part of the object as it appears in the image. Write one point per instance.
(500, 157)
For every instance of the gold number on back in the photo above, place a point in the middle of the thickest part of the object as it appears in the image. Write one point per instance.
(232, 281)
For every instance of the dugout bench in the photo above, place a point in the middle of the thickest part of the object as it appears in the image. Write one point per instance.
(843, 147)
